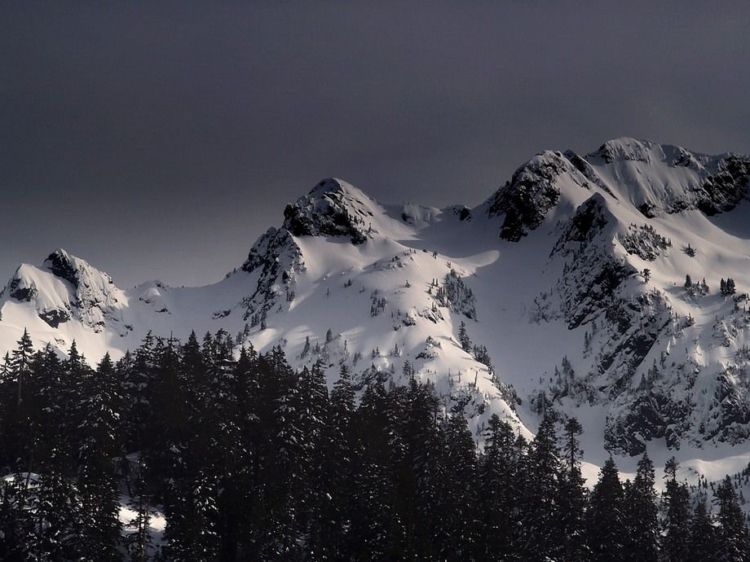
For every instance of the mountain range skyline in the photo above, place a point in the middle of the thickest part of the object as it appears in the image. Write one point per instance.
(157, 140)
(272, 220)
(629, 264)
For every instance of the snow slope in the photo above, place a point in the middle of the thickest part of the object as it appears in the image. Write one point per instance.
(547, 275)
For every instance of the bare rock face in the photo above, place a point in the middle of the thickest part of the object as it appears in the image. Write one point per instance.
(722, 191)
(277, 260)
(332, 208)
(66, 287)
(531, 192)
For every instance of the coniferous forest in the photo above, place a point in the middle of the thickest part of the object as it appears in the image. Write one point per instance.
(251, 460)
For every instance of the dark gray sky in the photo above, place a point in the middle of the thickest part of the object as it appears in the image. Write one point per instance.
(158, 140)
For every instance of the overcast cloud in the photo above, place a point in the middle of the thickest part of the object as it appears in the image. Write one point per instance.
(158, 140)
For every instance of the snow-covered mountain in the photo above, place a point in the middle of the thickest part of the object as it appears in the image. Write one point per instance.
(570, 281)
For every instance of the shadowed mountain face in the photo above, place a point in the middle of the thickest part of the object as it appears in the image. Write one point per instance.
(597, 285)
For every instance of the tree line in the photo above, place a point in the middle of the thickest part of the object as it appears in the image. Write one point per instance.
(250, 459)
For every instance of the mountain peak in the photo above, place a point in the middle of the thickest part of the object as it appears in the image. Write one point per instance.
(630, 142)
(333, 208)
(64, 265)
(66, 287)
(532, 191)
(334, 185)
(628, 149)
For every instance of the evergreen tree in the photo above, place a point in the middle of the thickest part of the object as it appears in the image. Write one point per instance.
(456, 518)
(463, 338)
(312, 421)
(376, 525)
(57, 525)
(731, 288)
(97, 483)
(246, 473)
(253, 460)
(182, 454)
(540, 501)
(498, 490)
(18, 405)
(287, 476)
(331, 536)
(21, 363)
(232, 457)
(641, 515)
(702, 544)
(732, 532)
(168, 426)
(16, 521)
(136, 374)
(605, 527)
(138, 540)
(676, 502)
(572, 494)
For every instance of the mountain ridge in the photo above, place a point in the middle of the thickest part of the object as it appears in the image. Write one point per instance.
(548, 276)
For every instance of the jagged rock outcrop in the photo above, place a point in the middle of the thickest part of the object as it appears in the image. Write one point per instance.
(670, 179)
(723, 190)
(332, 208)
(531, 192)
(276, 259)
(591, 273)
(66, 287)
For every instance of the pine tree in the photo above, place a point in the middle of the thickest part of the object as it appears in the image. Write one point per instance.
(67, 409)
(57, 525)
(169, 425)
(376, 528)
(572, 494)
(732, 532)
(47, 424)
(312, 421)
(97, 483)
(331, 536)
(463, 337)
(731, 288)
(702, 544)
(287, 465)
(182, 452)
(542, 533)
(727, 287)
(138, 541)
(16, 521)
(232, 458)
(418, 480)
(605, 527)
(641, 515)
(18, 405)
(246, 476)
(21, 363)
(457, 515)
(676, 502)
(136, 374)
(498, 490)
